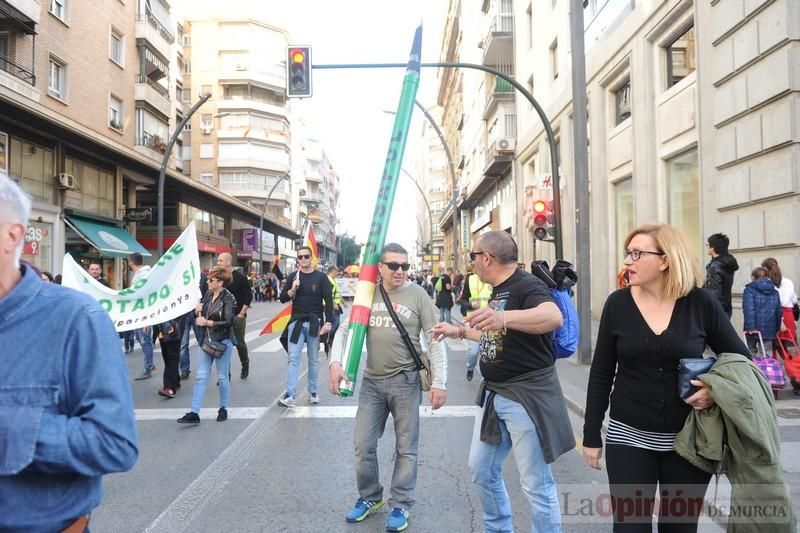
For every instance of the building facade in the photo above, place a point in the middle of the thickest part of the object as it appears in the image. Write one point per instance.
(433, 195)
(693, 120)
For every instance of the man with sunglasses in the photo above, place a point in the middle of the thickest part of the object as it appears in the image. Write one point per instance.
(521, 399)
(310, 292)
(391, 386)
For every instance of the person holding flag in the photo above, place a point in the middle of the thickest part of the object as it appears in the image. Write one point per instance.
(310, 292)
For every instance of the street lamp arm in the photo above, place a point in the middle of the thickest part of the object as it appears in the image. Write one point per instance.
(163, 171)
(261, 221)
(424, 198)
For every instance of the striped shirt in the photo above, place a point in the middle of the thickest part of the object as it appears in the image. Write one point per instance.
(621, 433)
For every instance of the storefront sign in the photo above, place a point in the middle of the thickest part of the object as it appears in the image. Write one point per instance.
(170, 290)
(138, 214)
(250, 242)
(481, 222)
(347, 286)
(545, 181)
(33, 240)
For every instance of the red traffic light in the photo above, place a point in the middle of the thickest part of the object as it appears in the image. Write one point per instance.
(543, 220)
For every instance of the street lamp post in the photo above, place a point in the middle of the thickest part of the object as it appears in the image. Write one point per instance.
(425, 199)
(261, 222)
(163, 172)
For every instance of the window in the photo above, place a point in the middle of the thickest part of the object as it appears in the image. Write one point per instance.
(59, 9)
(554, 58)
(681, 57)
(622, 102)
(530, 84)
(623, 210)
(187, 67)
(206, 121)
(684, 198)
(187, 95)
(151, 131)
(207, 178)
(116, 47)
(115, 113)
(205, 89)
(57, 79)
(206, 151)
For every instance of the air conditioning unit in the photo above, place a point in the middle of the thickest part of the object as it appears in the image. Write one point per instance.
(65, 181)
(506, 144)
(206, 130)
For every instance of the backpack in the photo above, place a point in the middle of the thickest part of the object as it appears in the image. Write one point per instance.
(560, 281)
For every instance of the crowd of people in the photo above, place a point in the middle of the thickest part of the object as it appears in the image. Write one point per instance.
(76, 385)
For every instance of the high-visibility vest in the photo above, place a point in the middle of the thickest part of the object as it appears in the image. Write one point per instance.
(480, 290)
(336, 291)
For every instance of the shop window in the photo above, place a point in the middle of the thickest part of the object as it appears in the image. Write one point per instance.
(622, 102)
(684, 198)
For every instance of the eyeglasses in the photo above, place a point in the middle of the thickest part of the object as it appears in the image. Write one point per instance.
(393, 266)
(473, 255)
(637, 254)
(306, 256)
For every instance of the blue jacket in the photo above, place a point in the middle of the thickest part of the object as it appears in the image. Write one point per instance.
(66, 414)
(761, 305)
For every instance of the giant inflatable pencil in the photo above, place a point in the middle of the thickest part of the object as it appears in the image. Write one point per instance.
(365, 290)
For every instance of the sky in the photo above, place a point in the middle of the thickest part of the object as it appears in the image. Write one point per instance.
(346, 112)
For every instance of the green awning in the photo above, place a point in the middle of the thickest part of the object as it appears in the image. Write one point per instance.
(112, 241)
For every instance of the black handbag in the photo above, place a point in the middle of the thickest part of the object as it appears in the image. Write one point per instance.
(688, 369)
(213, 348)
(423, 363)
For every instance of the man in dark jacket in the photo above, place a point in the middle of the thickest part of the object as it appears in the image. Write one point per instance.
(241, 290)
(719, 271)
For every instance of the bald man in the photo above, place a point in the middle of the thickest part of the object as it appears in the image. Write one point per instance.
(243, 292)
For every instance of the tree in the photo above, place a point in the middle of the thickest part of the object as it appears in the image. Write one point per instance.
(349, 250)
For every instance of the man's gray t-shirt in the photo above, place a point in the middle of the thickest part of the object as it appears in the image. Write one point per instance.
(387, 354)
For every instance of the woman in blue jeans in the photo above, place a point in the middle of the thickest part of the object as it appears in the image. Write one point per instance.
(215, 315)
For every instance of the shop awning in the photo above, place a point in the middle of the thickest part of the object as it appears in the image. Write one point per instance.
(112, 241)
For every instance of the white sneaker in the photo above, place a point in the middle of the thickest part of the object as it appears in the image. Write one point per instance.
(313, 398)
(286, 401)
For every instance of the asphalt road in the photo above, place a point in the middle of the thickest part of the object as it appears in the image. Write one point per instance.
(269, 469)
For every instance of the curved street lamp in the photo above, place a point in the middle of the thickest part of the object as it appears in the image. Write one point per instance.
(261, 222)
(430, 213)
(163, 171)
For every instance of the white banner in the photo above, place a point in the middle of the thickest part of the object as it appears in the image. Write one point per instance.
(171, 289)
(347, 286)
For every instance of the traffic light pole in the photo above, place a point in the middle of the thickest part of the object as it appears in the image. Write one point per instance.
(551, 138)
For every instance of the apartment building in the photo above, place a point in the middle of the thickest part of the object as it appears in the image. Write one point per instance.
(318, 189)
(431, 180)
(693, 120)
(240, 141)
(480, 120)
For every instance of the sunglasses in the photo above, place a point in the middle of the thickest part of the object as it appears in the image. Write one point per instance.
(393, 266)
(473, 255)
(306, 256)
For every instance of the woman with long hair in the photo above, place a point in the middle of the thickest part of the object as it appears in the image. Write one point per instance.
(645, 329)
(215, 314)
(785, 289)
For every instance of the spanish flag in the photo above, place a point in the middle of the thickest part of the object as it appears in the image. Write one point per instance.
(311, 242)
(278, 322)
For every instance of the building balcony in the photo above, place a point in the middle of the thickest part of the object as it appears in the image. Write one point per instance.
(278, 197)
(499, 157)
(502, 92)
(153, 94)
(254, 133)
(274, 78)
(275, 167)
(16, 72)
(314, 177)
(151, 31)
(498, 42)
(234, 105)
(28, 9)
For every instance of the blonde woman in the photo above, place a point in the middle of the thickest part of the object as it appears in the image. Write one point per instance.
(645, 329)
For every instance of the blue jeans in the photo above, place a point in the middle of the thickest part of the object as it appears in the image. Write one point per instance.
(295, 352)
(486, 463)
(145, 338)
(399, 395)
(473, 348)
(444, 314)
(204, 363)
(188, 325)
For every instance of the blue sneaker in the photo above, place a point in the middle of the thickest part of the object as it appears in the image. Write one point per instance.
(397, 519)
(362, 509)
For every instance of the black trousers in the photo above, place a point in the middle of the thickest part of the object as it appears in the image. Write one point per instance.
(171, 352)
(634, 473)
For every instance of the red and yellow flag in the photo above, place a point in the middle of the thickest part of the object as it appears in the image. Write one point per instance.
(278, 322)
(311, 242)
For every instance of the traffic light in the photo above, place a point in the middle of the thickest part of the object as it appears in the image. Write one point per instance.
(543, 220)
(298, 72)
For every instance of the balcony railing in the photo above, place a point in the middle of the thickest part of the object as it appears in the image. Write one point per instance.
(157, 25)
(157, 87)
(17, 71)
(154, 142)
